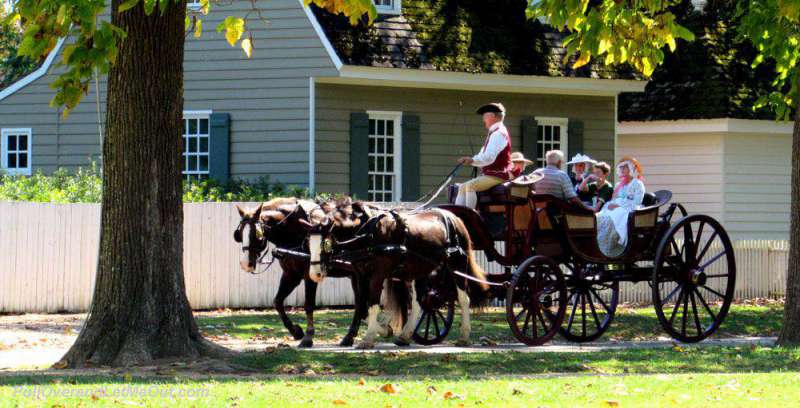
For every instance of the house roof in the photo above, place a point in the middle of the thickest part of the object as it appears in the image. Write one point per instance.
(472, 36)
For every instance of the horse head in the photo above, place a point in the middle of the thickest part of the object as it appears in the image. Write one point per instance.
(250, 234)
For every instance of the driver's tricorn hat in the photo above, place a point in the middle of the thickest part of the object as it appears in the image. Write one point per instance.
(494, 107)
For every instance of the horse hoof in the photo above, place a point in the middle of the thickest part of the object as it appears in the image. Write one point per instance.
(346, 342)
(297, 332)
(463, 343)
(365, 345)
(306, 343)
(402, 342)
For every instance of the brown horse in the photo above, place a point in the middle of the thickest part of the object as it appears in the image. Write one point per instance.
(429, 237)
(284, 221)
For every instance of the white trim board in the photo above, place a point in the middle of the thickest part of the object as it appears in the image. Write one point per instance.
(420, 78)
(312, 142)
(27, 79)
(722, 125)
(322, 37)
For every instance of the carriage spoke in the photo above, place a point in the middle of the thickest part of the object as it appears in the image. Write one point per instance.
(436, 325)
(713, 291)
(683, 318)
(594, 312)
(707, 246)
(712, 260)
(419, 322)
(699, 234)
(427, 324)
(541, 319)
(705, 305)
(439, 312)
(599, 299)
(677, 305)
(524, 308)
(719, 275)
(583, 314)
(688, 241)
(550, 316)
(674, 246)
(696, 317)
(572, 315)
(525, 325)
(666, 299)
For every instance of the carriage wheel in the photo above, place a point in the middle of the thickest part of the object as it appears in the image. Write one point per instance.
(694, 276)
(591, 304)
(434, 324)
(535, 300)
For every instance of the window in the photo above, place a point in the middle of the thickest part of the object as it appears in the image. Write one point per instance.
(195, 145)
(387, 6)
(194, 5)
(384, 156)
(551, 135)
(16, 151)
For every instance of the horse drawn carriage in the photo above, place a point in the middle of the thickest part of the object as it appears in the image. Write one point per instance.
(557, 281)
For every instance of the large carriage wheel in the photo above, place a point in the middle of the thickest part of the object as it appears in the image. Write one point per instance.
(436, 318)
(536, 301)
(591, 304)
(694, 276)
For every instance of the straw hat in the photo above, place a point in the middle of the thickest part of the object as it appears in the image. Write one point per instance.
(581, 158)
(519, 157)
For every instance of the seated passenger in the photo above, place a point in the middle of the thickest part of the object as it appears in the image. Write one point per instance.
(581, 166)
(597, 189)
(555, 181)
(612, 221)
(520, 163)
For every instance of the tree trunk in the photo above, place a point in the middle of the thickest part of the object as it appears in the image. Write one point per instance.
(790, 332)
(139, 310)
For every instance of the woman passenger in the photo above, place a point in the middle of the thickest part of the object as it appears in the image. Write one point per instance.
(612, 221)
(596, 187)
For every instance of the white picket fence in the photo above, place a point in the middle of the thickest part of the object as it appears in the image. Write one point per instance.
(48, 257)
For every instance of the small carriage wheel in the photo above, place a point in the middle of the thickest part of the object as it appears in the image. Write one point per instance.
(434, 325)
(536, 301)
(591, 304)
(694, 277)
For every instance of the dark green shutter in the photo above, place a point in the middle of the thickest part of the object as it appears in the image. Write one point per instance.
(574, 138)
(410, 167)
(359, 154)
(219, 147)
(529, 134)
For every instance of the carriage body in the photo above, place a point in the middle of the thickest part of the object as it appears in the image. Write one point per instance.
(549, 243)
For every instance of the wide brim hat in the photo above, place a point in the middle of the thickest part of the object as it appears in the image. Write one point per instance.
(581, 158)
(494, 107)
(519, 157)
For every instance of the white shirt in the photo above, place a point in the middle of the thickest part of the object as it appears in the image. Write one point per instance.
(497, 142)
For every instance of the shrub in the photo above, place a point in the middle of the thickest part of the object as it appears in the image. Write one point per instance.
(85, 186)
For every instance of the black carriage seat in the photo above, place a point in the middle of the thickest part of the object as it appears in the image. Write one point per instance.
(495, 204)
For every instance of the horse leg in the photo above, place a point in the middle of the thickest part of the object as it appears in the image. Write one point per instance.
(358, 315)
(463, 301)
(372, 294)
(311, 302)
(288, 283)
(411, 323)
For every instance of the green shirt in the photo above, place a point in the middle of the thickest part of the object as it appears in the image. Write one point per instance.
(604, 192)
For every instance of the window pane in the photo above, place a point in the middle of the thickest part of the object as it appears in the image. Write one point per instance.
(540, 133)
(372, 145)
(381, 124)
(22, 142)
(12, 160)
(548, 133)
(390, 127)
(371, 163)
(380, 165)
(380, 148)
(390, 146)
(379, 183)
(192, 126)
(557, 133)
(193, 163)
(389, 163)
(192, 144)
(372, 126)
(203, 145)
(12, 142)
(23, 160)
(204, 126)
(203, 163)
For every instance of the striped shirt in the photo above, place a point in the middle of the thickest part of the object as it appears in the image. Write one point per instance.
(555, 182)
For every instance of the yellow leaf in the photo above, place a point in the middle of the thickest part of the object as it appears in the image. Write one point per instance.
(339, 402)
(603, 46)
(388, 388)
(247, 46)
(611, 403)
(583, 60)
(362, 381)
(198, 28)
(671, 42)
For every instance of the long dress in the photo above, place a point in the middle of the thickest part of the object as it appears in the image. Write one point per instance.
(612, 225)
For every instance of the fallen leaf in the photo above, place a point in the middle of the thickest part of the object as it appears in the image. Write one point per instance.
(431, 390)
(516, 392)
(450, 395)
(388, 388)
(362, 381)
(95, 397)
(339, 402)
(611, 403)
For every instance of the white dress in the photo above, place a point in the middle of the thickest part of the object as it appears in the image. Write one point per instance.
(612, 225)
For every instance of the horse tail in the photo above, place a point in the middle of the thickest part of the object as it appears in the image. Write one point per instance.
(393, 304)
(478, 291)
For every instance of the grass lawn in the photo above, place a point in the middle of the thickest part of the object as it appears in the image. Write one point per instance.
(629, 324)
(662, 390)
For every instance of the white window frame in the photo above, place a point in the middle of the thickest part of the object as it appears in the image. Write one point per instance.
(395, 9)
(4, 150)
(196, 114)
(397, 117)
(564, 142)
(194, 5)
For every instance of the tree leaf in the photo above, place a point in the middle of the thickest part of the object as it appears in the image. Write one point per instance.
(247, 46)
(127, 5)
(583, 60)
(198, 28)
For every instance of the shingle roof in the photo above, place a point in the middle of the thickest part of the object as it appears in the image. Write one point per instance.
(468, 36)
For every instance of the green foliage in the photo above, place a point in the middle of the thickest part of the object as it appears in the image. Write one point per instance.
(12, 65)
(85, 186)
(773, 26)
(95, 43)
(633, 32)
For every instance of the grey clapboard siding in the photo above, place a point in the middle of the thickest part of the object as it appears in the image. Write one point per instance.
(575, 137)
(359, 154)
(266, 96)
(528, 135)
(445, 134)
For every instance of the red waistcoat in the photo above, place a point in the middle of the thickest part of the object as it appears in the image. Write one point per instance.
(502, 166)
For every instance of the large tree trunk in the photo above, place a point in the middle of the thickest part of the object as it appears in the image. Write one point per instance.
(140, 311)
(790, 332)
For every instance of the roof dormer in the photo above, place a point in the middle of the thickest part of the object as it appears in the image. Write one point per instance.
(388, 7)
